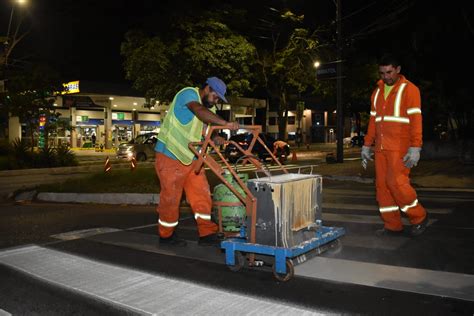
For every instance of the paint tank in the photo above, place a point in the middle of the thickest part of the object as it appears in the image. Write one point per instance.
(288, 206)
(232, 216)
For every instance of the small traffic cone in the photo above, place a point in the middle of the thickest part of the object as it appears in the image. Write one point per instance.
(133, 164)
(293, 156)
(107, 165)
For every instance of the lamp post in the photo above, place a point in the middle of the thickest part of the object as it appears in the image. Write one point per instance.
(328, 72)
(339, 107)
(21, 3)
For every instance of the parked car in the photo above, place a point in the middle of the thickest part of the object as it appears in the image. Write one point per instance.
(357, 141)
(142, 147)
(231, 153)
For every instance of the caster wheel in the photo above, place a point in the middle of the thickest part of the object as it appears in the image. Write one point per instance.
(239, 262)
(290, 272)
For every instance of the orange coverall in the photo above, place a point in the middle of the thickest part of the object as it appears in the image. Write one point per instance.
(174, 178)
(395, 125)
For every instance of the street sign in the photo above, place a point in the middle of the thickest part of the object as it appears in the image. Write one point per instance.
(326, 71)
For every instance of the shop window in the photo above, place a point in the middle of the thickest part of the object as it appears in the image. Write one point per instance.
(272, 120)
(291, 120)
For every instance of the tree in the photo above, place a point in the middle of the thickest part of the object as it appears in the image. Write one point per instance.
(29, 94)
(287, 68)
(12, 39)
(159, 66)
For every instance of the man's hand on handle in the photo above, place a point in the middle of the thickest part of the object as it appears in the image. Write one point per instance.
(218, 140)
(233, 126)
(366, 155)
(412, 157)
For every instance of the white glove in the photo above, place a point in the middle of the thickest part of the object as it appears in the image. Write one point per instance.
(412, 157)
(366, 155)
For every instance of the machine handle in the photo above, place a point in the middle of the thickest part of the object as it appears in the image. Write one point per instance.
(246, 127)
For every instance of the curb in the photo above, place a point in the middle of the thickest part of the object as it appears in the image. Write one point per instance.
(350, 178)
(100, 198)
(65, 170)
(130, 198)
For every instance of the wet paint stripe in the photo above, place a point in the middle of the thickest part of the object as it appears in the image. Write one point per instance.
(320, 267)
(83, 233)
(137, 291)
(446, 284)
(362, 219)
(367, 207)
(4, 313)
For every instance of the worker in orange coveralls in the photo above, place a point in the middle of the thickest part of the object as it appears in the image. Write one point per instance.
(396, 128)
(189, 113)
(281, 150)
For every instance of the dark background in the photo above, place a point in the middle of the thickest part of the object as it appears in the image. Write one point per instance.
(81, 39)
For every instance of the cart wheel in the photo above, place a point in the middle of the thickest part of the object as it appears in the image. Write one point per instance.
(290, 272)
(335, 247)
(239, 262)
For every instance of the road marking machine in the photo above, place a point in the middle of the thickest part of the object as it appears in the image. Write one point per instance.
(271, 219)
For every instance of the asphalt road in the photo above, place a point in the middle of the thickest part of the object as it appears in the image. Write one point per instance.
(95, 259)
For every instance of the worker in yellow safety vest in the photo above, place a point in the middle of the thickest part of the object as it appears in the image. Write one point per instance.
(187, 119)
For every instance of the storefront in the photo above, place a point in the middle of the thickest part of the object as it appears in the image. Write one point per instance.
(104, 116)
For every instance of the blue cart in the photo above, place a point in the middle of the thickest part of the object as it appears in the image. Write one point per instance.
(325, 238)
(259, 237)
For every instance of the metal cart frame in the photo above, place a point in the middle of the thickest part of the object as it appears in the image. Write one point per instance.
(244, 242)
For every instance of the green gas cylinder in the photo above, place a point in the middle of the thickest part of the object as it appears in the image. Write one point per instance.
(232, 216)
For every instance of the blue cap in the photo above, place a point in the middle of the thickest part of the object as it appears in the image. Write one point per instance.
(218, 86)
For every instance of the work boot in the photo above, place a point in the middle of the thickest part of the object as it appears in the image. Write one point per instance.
(213, 240)
(173, 240)
(388, 233)
(417, 230)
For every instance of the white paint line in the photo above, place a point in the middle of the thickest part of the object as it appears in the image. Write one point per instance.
(139, 291)
(371, 193)
(446, 284)
(4, 313)
(363, 219)
(367, 207)
(371, 242)
(446, 190)
(79, 234)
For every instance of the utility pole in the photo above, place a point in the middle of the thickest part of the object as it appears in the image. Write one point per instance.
(339, 106)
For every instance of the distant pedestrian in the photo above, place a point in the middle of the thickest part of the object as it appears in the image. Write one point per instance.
(281, 150)
(93, 137)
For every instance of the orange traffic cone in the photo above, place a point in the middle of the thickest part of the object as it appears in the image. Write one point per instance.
(107, 165)
(133, 164)
(293, 157)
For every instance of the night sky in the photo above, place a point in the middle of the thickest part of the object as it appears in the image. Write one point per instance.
(81, 39)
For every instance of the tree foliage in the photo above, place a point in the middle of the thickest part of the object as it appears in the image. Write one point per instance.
(287, 68)
(31, 93)
(159, 66)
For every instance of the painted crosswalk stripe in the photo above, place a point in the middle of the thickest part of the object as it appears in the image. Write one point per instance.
(4, 313)
(448, 284)
(367, 207)
(137, 291)
(362, 219)
(422, 195)
(370, 274)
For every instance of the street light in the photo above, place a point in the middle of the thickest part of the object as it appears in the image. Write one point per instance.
(317, 64)
(20, 3)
